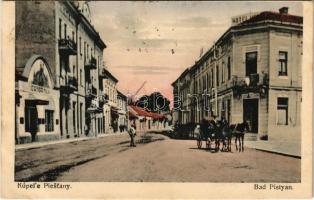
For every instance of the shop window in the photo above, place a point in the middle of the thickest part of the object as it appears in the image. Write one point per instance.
(49, 120)
(283, 63)
(250, 63)
(282, 111)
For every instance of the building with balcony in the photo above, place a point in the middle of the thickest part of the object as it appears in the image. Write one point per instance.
(108, 86)
(251, 73)
(122, 103)
(62, 37)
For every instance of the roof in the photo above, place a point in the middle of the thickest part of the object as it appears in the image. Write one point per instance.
(265, 16)
(122, 95)
(141, 112)
(274, 16)
(107, 74)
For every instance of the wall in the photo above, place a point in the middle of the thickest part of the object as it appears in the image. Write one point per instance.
(292, 131)
(35, 32)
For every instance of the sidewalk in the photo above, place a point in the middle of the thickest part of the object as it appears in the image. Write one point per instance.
(288, 148)
(41, 144)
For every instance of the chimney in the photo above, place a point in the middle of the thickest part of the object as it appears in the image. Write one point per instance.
(283, 10)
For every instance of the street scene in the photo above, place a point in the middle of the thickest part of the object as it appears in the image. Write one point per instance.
(158, 91)
(157, 158)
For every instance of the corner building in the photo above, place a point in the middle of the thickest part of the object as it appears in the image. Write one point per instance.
(252, 73)
(59, 42)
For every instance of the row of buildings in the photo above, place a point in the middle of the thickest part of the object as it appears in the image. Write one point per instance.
(63, 89)
(252, 73)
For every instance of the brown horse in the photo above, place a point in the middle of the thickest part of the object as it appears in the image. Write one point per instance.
(238, 130)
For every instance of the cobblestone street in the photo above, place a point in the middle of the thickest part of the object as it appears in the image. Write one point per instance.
(161, 159)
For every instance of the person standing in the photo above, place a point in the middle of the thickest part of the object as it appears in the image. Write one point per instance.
(132, 133)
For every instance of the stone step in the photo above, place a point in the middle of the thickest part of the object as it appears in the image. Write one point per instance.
(250, 136)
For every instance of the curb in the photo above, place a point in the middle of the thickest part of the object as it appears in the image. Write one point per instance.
(62, 141)
(277, 152)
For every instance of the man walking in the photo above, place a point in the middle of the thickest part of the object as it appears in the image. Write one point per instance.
(132, 133)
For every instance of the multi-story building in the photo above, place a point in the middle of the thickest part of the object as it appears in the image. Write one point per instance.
(58, 56)
(251, 73)
(110, 109)
(122, 111)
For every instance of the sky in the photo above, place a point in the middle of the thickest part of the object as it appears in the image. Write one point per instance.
(155, 41)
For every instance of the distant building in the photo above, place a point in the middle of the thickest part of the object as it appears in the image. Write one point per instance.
(252, 73)
(59, 55)
(109, 88)
(122, 111)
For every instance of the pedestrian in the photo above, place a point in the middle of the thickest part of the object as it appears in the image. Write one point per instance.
(132, 133)
(197, 131)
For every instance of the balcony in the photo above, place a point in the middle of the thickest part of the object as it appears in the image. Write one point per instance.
(257, 83)
(91, 92)
(91, 64)
(67, 47)
(103, 99)
(70, 85)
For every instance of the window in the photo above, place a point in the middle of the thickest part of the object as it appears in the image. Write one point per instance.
(80, 44)
(282, 111)
(223, 72)
(81, 118)
(84, 50)
(229, 68)
(212, 79)
(250, 63)
(283, 63)
(207, 84)
(65, 31)
(81, 80)
(74, 117)
(217, 75)
(49, 120)
(60, 28)
(74, 70)
(73, 36)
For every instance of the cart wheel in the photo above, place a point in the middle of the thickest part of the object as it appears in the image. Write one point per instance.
(207, 144)
(199, 144)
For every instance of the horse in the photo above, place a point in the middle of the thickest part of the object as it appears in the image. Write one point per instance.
(226, 136)
(223, 134)
(238, 130)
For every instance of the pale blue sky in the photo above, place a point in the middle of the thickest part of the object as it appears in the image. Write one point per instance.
(156, 41)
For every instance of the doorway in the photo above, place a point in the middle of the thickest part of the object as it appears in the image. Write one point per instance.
(31, 119)
(250, 113)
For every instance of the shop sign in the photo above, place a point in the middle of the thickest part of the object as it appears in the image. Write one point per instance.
(39, 89)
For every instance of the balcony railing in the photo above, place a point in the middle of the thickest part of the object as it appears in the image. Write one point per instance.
(253, 83)
(91, 92)
(67, 47)
(70, 85)
(91, 64)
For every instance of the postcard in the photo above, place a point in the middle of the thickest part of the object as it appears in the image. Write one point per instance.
(156, 99)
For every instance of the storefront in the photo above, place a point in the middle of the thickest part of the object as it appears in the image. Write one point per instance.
(37, 103)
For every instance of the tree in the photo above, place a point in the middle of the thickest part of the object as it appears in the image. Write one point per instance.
(155, 102)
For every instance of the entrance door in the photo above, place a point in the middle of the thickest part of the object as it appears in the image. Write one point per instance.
(31, 119)
(250, 113)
